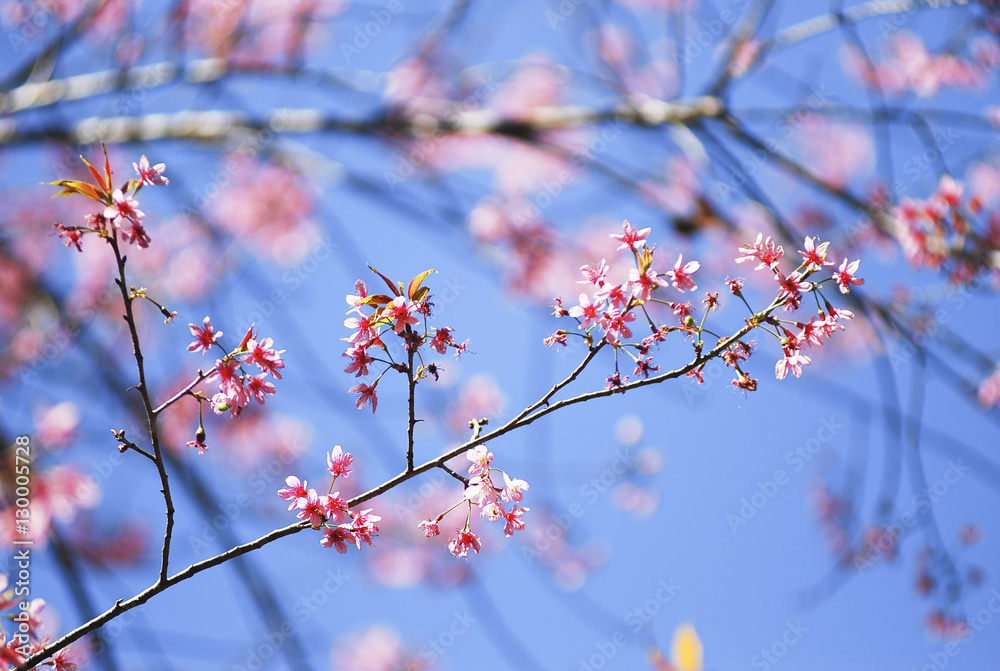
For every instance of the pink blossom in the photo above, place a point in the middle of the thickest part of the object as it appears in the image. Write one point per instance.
(358, 297)
(366, 395)
(644, 366)
(481, 459)
(631, 238)
(481, 490)
(680, 276)
(791, 288)
(264, 356)
(336, 507)
(587, 311)
(339, 462)
(430, 528)
(312, 508)
(642, 284)
(198, 442)
(513, 520)
(204, 337)
(150, 175)
(295, 490)
(337, 537)
(122, 208)
(460, 545)
(363, 527)
(765, 252)
(793, 361)
(257, 387)
(402, 312)
(359, 360)
(594, 275)
(815, 255)
(442, 338)
(363, 327)
(513, 489)
(845, 276)
(616, 324)
(71, 235)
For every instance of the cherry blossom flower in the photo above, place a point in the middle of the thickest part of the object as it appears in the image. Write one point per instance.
(465, 540)
(336, 507)
(312, 508)
(402, 312)
(339, 462)
(615, 323)
(264, 356)
(792, 287)
(845, 276)
(793, 361)
(430, 528)
(205, 337)
(644, 366)
(815, 255)
(587, 311)
(513, 489)
(337, 537)
(363, 527)
(442, 338)
(357, 298)
(680, 276)
(150, 175)
(366, 395)
(295, 490)
(257, 387)
(642, 284)
(513, 520)
(71, 235)
(594, 275)
(481, 459)
(765, 252)
(123, 208)
(359, 361)
(631, 238)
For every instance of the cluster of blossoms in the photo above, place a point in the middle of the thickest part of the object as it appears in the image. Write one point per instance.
(330, 511)
(606, 313)
(400, 314)
(120, 213)
(609, 309)
(236, 386)
(25, 641)
(791, 289)
(941, 232)
(491, 500)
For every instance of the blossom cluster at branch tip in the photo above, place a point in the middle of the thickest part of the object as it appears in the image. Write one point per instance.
(496, 504)
(341, 526)
(119, 213)
(403, 314)
(237, 386)
(608, 312)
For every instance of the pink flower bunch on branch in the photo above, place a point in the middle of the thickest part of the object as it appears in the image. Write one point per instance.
(606, 315)
(403, 314)
(119, 212)
(950, 232)
(331, 512)
(491, 500)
